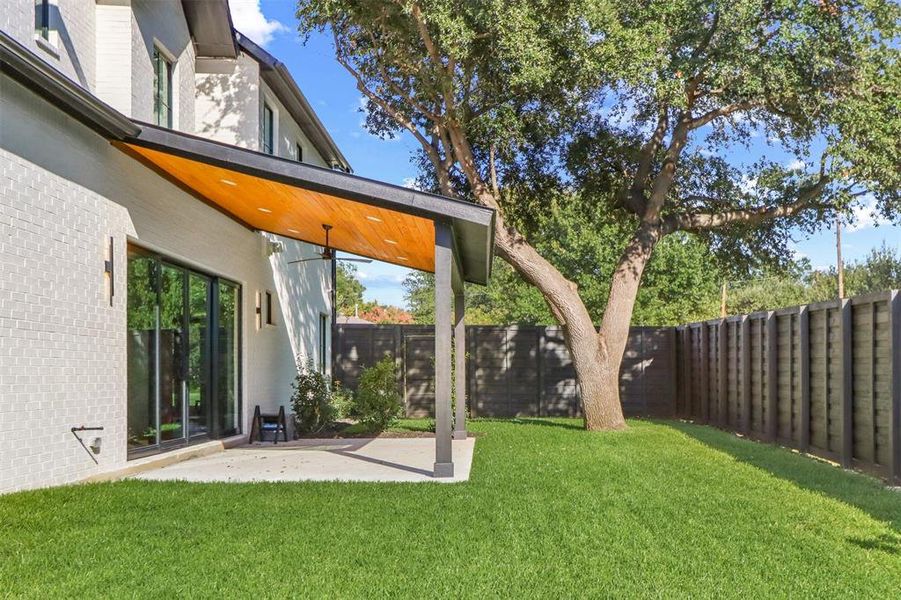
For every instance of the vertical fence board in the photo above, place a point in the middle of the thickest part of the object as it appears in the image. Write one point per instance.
(847, 388)
(804, 360)
(894, 327)
(745, 357)
(772, 378)
(723, 374)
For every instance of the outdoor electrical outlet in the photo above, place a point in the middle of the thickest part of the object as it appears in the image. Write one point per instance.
(95, 445)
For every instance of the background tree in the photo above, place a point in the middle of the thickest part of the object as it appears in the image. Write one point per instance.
(635, 104)
(349, 290)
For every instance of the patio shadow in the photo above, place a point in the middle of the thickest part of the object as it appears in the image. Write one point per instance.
(866, 493)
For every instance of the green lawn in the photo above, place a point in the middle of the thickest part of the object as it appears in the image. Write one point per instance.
(661, 510)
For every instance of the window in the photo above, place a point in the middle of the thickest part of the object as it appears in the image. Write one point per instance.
(183, 354)
(162, 89)
(42, 18)
(270, 319)
(268, 129)
(323, 342)
(298, 152)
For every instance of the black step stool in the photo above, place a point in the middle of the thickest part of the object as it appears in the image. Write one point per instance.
(275, 423)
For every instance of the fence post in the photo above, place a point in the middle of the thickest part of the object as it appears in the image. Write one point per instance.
(894, 306)
(686, 372)
(847, 375)
(540, 362)
(745, 358)
(705, 369)
(804, 365)
(772, 377)
(723, 387)
(399, 378)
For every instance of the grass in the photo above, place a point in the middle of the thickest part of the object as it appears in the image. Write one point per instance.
(659, 510)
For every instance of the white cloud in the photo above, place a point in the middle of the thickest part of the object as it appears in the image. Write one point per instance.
(864, 216)
(748, 185)
(249, 19)
(795, 165)
(410, 182)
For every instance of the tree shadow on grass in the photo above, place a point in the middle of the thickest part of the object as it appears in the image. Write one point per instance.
(866, 493)
(544, 422)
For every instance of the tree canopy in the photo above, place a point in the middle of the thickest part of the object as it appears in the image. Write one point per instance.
(635, 111)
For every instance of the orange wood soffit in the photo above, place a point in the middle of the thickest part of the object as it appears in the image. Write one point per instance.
(298, 213)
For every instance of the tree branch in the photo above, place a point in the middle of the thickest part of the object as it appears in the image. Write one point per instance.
(695, 222)
(719, 112)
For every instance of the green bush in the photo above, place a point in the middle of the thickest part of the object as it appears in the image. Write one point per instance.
(342, 401)
(377, 402)
(311, 400)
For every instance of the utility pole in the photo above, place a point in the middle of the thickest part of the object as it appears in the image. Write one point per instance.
(723, 301)
(838, 256)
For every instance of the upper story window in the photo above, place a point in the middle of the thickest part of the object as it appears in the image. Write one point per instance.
(42, 18)
(162, 89)
(268, 130)
(298, 152)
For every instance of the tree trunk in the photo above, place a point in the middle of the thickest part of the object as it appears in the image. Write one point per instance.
(596, 354)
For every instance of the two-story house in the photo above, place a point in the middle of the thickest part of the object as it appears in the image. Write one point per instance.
(159, 175)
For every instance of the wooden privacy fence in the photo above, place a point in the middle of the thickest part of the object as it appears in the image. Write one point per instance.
(823, 378)
(510, 370)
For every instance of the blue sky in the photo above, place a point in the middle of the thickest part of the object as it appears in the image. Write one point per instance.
(333, 94)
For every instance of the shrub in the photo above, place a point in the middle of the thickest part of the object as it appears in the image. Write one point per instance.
(342, 401)
(377, 402)
(311, 400)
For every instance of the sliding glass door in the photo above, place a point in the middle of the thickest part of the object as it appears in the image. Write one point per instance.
(183, 354)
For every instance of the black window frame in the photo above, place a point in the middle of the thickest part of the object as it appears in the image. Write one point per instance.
(298, 151)
(159, 59)
(42, 19)
(268, 129)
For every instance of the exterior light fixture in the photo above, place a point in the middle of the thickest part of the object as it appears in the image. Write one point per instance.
(228, 182)
(109, 268)
(374, 219)
(293, 230)
(392, 242)
(264, 210)
(402, 258)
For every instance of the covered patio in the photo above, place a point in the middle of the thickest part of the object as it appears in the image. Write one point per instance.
(402, 460)
(452, 239)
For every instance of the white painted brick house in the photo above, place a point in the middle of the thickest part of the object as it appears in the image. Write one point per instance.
(160, 177)
(64, 192)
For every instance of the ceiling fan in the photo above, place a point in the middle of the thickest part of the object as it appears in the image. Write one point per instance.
(328, 253)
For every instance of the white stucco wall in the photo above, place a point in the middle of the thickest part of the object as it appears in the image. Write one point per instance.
(71, 49)
(63, 191)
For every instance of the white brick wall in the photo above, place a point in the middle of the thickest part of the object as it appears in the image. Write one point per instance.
(227, 102)
(162, 23)
(72, 20)
(113, 52)
(289, 133)
(63, 192)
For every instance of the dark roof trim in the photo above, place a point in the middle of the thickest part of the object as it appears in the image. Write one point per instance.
(277, 77)
(24, 66)
(210, 24)
(473, 224)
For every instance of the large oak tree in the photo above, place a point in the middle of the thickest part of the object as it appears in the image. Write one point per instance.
(640, 100)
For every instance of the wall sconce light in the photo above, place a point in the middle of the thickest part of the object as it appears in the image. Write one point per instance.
(109, 269)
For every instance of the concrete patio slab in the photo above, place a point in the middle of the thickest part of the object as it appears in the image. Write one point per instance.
(379, 459)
